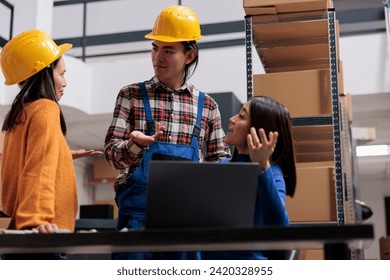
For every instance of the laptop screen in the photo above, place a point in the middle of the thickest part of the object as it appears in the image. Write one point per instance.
(192, 194)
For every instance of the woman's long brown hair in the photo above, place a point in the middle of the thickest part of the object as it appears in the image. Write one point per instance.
(41, 85)
(266, 113)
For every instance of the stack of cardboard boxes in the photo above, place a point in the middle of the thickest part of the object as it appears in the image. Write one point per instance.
(291, 38)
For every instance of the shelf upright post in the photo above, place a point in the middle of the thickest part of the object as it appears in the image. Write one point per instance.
(356, 254)
(248, 46)
(333, 62)
(347, 151)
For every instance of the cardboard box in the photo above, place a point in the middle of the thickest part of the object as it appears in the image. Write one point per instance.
(304, 93)
(291, 31)
(313, 133)
(313, 143)
(293, 57)
(102, 170)
(296, 65)
(384, 248)
(284, 17)
(314, 199)
(314, 151)
(292, 46)
(252, 11)
(284, 6)
(312, 254)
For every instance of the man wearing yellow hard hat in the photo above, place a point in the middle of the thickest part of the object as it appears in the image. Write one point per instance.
(165, 117)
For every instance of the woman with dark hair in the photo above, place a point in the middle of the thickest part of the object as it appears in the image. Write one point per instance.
(167, 108)
(261, 132)
(38, 177)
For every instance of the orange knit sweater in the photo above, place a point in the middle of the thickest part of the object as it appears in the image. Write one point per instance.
(38, 176)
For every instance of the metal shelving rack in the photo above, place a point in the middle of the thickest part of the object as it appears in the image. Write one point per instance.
(333, 57)
(248, 47)
(334, 119)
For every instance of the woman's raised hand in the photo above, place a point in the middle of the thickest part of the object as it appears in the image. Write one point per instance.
(261, 149)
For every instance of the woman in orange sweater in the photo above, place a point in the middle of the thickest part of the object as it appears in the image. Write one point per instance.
(38, 176)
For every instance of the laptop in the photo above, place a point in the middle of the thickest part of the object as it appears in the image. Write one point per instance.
(184, 194)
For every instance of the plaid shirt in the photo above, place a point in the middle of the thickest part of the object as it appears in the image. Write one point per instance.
(176, 110)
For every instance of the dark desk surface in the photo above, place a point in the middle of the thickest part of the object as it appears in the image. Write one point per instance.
(272, 238)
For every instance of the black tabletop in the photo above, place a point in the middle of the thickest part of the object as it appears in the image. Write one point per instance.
(191, 239)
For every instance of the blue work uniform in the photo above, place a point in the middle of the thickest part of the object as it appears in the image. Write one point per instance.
(131, 200)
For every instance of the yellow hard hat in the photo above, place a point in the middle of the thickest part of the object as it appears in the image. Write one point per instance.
(176, 24)
(27, 54)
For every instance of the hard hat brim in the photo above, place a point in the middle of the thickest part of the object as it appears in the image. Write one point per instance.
(64, 48)
(169, 39)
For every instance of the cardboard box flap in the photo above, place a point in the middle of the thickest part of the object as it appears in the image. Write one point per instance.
(292, 68)
(300, 62)
(296, 65)
(314, 157)
(264, 3)
(260, 11)
(329, 164)
(313, 151)
(289, 17)
(290, 30)
(290, 42)
(313, 133)
(318, 146)
(307, 6)
(313, 143)
(293, 53)
(287, 6)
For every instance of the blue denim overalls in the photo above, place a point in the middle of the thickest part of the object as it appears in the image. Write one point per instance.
(131, 200)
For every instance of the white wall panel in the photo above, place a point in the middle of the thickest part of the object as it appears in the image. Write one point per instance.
(68, 21)
(129, 15)
(5, 17)
(365, 64)
(78, 93)
(32, 14)
(373, 193)
(216, 11)
(123, 16)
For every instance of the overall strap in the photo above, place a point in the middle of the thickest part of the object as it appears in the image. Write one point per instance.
(196, 131)
(149, 118)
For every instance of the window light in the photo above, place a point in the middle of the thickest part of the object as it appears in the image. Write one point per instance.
(372, 150)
